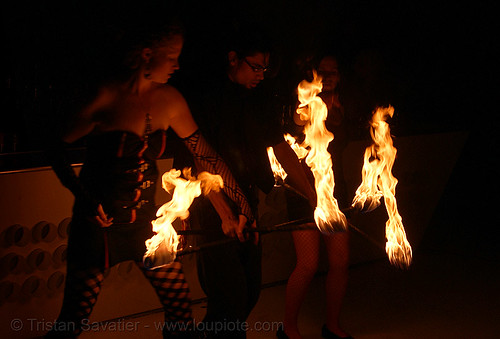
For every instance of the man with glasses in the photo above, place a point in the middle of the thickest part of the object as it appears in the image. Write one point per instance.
(240, 119)
(248, 71)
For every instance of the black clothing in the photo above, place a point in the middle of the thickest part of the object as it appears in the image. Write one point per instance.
(119, 172)
(239, 124)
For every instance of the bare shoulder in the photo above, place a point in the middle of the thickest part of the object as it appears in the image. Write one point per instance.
(174, 110)
(171, 100)
(90, 115)
(168, 92)
(104, 97)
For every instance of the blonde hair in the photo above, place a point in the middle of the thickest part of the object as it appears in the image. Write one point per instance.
(150, 38)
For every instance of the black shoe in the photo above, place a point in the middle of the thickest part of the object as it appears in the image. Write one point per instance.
(280, 333)
(326, 333)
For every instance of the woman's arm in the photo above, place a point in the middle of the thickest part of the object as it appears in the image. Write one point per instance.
(182, 122)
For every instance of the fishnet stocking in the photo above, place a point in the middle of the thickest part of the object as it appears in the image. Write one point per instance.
(337, 246)
(172, 288)
(83, 287)
(307, 251)
(80, 295)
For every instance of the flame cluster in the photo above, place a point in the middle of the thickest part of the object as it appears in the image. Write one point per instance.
(377, 182)
(161, 248)
(314, 149)
(377, 179)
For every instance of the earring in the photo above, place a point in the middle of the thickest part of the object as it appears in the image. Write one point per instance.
(147, 72)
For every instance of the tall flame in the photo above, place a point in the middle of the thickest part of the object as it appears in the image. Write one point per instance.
(312, 109)
(378, 181)
(161, 248)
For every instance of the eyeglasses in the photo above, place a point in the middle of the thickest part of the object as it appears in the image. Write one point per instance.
(256, 68)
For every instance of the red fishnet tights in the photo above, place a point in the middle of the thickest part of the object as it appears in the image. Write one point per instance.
(307, 249)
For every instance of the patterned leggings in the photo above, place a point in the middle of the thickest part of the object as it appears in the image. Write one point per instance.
(83, 287)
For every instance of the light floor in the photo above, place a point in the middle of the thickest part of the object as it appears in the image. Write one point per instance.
(440, 296)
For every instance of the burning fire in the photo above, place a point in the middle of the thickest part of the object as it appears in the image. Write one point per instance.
(378, 181)
(312, 109)
(162, 247)
(301, 151)
(278, 171)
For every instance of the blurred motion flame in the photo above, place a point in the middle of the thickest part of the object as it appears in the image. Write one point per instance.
(312, 109)
(161, 248)
(378, 182)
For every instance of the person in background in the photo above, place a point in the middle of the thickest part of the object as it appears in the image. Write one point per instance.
(307, 243)
(125, 124)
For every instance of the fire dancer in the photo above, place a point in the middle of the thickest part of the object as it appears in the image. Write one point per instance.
(239, 119)
(126, 125)
(307, 243)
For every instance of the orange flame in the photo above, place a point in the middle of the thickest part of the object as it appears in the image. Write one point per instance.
(378, 181)
(161, 248)
(278, 171)
(312, 109)
(300, 150)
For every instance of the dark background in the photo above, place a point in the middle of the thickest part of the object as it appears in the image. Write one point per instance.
(430, 61)
(433, 62)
